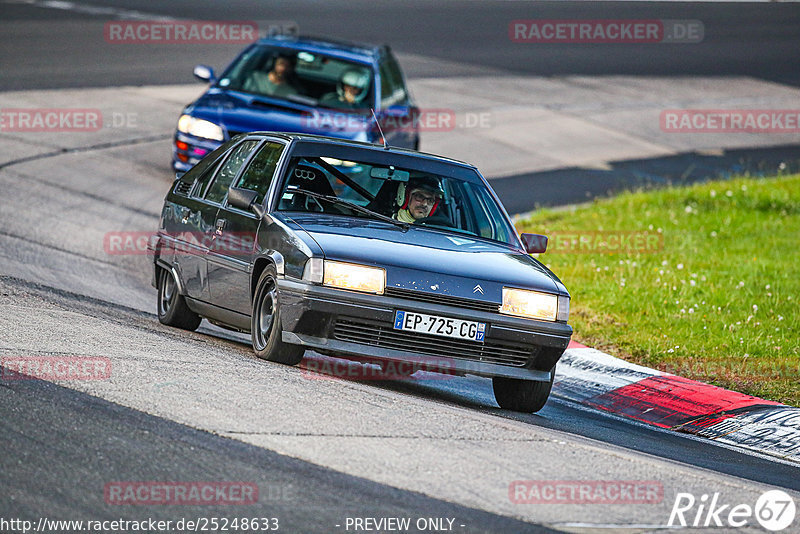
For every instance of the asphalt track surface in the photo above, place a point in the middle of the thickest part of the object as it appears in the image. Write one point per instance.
(755, 39)
(68, 446)
(60, 445)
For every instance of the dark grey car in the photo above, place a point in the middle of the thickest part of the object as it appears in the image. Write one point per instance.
(306, 242)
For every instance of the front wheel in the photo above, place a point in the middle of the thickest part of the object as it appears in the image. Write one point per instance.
(525, 396)
(172, 308)
(265, 323)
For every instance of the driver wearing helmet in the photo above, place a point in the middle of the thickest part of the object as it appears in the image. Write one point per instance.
(418, 199)
(350, 91)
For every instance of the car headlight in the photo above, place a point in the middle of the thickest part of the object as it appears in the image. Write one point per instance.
(200, 128)
(531, 304)
(354, 277)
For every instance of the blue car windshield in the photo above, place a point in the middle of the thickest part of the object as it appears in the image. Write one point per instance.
(300, 76)
(327, 184)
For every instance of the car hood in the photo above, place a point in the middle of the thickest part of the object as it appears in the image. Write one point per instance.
(428, 260)
(239, 112)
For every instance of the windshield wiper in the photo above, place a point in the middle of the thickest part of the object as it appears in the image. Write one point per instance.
(353, 206)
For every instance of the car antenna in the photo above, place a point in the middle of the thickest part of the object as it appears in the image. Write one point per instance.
(378, 124)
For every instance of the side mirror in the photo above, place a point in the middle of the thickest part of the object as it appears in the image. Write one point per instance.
(245, 199)
(242, 198)
(534, 243)
(204, 73)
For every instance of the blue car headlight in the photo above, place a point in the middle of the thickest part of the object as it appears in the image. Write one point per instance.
(200, 128)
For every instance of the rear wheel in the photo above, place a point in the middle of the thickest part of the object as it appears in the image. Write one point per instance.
(172, 308)
(265, 323)
(525, 396)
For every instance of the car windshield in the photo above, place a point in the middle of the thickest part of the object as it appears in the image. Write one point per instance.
(406, 195)
(299, 76)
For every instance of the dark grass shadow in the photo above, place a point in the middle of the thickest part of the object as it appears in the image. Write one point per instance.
(572, 185)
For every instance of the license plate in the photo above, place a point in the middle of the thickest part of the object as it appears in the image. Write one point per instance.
(439, 326)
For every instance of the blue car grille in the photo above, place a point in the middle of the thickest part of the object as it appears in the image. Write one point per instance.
(378, 334)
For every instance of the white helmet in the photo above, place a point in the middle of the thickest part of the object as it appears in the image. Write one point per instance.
(357, 78)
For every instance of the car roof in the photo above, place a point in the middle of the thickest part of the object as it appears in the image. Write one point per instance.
(341, 48)
(321, 139)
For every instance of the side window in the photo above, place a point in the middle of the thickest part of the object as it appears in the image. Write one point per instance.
(202, 171)
(229, 170)
(393, 89)
(203, 179)
(258, 175)
(386, 85)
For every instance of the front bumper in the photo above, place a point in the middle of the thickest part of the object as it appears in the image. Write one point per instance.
(340, 322)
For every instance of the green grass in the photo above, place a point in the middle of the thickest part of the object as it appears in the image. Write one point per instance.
(717, 301)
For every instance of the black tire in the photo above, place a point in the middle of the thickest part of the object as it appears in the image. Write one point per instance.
(265, 323)
(521, 395)
(171, 306)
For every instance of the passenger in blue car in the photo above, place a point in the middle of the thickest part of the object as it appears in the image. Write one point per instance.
(280, 81)
(350, 91)
(418, 200)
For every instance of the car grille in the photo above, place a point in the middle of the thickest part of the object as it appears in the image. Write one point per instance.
(378, 334)
(446, 300)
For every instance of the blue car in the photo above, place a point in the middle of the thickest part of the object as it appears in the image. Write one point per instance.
(356, 251)
(301, 85)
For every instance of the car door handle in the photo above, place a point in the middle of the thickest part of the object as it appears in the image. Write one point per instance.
(221, 226)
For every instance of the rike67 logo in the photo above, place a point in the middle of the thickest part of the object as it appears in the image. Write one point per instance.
(774, 510)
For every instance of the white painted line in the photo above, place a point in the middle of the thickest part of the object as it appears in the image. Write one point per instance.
(85, 9)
